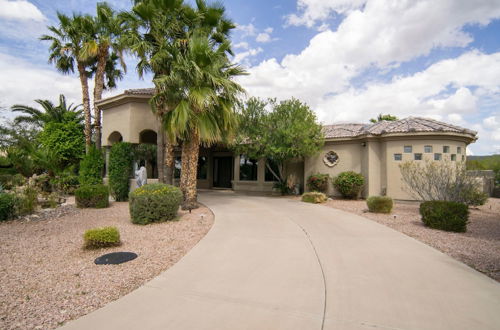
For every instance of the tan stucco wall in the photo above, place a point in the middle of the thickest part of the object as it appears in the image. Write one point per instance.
(116, 119)
(350, 159)
(374, 158)
(129, 119)
(394, 184)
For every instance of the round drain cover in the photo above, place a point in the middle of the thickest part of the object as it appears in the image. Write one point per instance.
(115, 258)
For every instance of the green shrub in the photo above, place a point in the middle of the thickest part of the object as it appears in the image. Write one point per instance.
(349, 184)
(318, 182)
(96, 196)
(472, 196)
(27, 200)
(101, 237)
(445, 215)
(65, 183)
(7, 206)
(120, 168)
(379, 204)
(6, 181)
(91, 167)
(154, 203)
(314, 197)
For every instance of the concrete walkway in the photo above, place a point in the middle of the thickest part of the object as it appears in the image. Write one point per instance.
(276, 263)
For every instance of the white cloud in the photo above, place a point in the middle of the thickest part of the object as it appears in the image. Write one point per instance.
(22, 82)
(247, 30)
(263, 37)
(242, 44)
(20, 10)
(383, 32)
(240, 57)
(321, 10)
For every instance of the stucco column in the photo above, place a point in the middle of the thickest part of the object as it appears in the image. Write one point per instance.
(261, 170)
(236, 167)
(106, 159)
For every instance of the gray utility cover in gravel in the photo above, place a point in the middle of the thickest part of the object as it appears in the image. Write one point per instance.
(115, 258)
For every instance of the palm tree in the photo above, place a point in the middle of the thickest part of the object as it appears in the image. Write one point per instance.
(50, 113)
(201, 94)
(67, 41)
(102, 42)
(159, 29)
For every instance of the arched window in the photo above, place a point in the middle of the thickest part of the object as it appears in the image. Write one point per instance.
(114, 137)
(147, 136)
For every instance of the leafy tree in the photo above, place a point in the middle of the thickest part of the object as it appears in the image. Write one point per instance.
(50, 113)
(288, 131)
(65, 141)
(66, 53)
(382, 117)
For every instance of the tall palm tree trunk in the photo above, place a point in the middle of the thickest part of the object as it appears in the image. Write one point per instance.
(86, 106)
(169, 162)
(190, 151)
(102, 57)
(160, 148)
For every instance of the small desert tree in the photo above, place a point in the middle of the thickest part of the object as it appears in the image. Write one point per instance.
(288, 131)
(382, 117)
(444, 181)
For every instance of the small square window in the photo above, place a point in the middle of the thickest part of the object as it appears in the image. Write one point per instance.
(407, 149)
(459, 150)
(418, 156)
(453, 157)
(437, 156)
(398, 157)
(446, 149)
(428, 149)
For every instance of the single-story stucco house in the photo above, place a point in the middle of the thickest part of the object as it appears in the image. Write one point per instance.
(374, 150)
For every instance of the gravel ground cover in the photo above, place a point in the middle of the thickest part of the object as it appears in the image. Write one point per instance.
(47, 278)
(479, 247)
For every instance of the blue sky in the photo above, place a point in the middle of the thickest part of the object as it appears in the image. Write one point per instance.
(348, 59)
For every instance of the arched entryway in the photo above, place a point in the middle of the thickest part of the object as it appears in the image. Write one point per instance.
(146, 152)
(114, 137)
(148, 136)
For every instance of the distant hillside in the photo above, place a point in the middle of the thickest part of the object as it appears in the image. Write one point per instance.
(485, 163)
(493, 157)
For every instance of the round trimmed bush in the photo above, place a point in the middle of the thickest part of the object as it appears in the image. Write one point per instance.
(379, 204)
(7, 206)
(314, 197)
(154, 202)
(318, 182)
(101, 237)
(120, 169)
(445, 215)
(95, 196)
(349, 184)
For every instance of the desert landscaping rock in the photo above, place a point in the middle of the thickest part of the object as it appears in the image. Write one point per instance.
(47, 278)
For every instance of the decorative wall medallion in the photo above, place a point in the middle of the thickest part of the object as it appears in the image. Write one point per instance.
(331, 159)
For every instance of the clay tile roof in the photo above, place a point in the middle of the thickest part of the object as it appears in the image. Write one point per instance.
(343, 130)
(407, 125)
(139, 91)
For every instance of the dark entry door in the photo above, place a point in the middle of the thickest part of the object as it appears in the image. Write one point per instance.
(223, 172)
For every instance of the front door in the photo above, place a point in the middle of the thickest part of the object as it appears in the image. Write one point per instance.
(223, 172)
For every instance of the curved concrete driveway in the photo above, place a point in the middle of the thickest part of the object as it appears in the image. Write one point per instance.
(275, 263)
